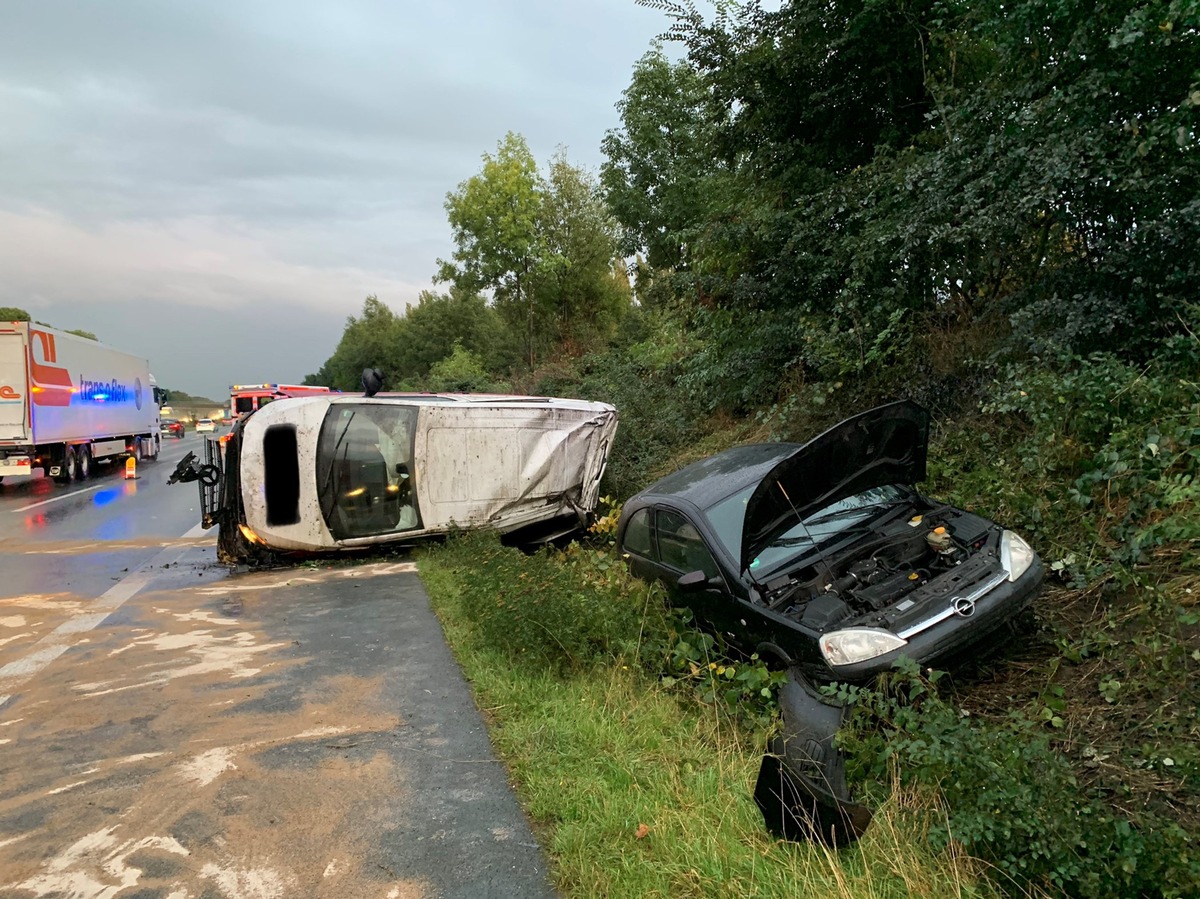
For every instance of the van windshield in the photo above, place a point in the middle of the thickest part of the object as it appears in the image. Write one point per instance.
(364, 478)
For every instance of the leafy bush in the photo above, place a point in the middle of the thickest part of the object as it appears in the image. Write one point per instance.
(565, 611)
(1012, 797)
(572, 609)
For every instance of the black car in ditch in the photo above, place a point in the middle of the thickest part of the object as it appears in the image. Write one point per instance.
(825, 557)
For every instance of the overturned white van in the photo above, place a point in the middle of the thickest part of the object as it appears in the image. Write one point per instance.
(338, 473)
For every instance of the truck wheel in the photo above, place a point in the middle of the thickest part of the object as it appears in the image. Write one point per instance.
(137, 448)
(66, 471)
(83, 463)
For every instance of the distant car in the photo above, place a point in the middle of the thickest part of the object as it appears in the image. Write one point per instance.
(825, 557)
(344, 472)
(172, 427)
(205, 424)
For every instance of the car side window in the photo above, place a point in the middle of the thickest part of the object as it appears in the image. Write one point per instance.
(637, 535)
(680, 545)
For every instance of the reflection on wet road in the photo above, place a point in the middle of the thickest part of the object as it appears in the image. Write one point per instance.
(169, 730)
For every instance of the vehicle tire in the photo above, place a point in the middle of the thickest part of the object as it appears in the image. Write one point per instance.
(83, 463)
(67, 468)
(137, 449)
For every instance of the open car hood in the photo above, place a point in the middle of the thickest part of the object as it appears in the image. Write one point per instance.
(885, 445)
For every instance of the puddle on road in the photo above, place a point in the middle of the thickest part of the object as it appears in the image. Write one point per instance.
(195, 759)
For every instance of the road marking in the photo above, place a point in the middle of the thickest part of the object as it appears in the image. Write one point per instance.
(59, 640)
(55, 499)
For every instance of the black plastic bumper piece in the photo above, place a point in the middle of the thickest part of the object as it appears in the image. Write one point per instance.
(801, 789)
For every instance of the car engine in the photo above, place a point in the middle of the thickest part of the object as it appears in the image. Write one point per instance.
(878, 570)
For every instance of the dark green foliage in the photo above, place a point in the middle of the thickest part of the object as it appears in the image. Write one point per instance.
(658, 167)
(693, 659)
(643, 379)
(440, 322)
(572, 610)
(885, 167)
(406, 347)
(544, 247)
(1013, 797)
(13, 314)
(566, 613)
(460, 372)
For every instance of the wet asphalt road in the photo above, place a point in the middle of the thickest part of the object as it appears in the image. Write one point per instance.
(169, 730)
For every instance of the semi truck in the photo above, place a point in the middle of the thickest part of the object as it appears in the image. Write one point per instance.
(67, 403)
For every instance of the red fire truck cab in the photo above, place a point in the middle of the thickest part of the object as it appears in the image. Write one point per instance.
(245, 398)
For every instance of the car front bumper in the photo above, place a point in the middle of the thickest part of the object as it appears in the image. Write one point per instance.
(955, 632)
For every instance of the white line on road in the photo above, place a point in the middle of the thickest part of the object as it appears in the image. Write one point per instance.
(59, 640)
(55, 499)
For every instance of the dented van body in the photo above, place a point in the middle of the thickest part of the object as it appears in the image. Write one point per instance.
(340, 473)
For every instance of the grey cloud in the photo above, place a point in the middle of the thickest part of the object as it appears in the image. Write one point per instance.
(297, 150)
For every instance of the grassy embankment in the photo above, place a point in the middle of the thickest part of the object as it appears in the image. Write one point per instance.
(1068, 764)
(636, 785)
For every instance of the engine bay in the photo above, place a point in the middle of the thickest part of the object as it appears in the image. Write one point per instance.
(879, 569)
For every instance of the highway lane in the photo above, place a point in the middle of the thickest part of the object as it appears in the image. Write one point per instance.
(86, 534)
(170, 730)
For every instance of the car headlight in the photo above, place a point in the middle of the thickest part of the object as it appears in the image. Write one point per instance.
(1015, 555)
(858, 644)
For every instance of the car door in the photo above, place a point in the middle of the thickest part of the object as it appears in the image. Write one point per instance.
(664, 544)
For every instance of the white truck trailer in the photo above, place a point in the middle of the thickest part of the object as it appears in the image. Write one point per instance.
(67, 402)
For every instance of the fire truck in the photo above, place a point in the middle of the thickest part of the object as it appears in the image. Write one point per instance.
(245, 398)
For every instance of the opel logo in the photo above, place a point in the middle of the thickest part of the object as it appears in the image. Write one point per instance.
(963, 607)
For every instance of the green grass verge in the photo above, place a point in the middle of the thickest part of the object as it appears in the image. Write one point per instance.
(638, 790)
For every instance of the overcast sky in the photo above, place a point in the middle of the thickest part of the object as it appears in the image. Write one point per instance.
(217, 185)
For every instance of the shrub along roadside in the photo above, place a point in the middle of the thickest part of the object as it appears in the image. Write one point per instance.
(636, 785)
(1012, 794)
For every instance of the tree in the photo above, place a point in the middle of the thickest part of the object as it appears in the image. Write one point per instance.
(437, 322)
(368, 341)
(79, 332)
(460, 372)
(659, 167)
(544, 247)
(494, 222)
(13, 314)
(576, 287)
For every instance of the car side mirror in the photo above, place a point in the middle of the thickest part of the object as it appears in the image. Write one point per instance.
(402, 469)
(694, 582)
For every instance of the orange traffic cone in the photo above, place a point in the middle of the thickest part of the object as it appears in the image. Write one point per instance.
(131, 469)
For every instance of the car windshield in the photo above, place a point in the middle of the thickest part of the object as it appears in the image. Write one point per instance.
(822, 526)
(364, 457)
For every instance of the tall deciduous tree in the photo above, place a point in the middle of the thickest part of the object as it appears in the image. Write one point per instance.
(577, 292)
(659, 167)
(494, 221)
(543, 245)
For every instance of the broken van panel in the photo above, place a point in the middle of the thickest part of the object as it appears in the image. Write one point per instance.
(336, 473)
